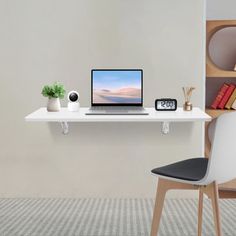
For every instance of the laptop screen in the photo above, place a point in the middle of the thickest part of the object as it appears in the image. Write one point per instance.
(117, 87)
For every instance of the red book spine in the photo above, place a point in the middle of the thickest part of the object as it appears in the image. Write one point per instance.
(226, 96)
(219, 96)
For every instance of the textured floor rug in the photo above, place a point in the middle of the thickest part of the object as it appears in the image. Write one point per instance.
(108, 217)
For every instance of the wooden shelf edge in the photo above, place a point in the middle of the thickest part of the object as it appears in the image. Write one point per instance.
(212, 71)
(227, 193)
(216, 112)
(220, 22)
(228, 190)
(221, 74)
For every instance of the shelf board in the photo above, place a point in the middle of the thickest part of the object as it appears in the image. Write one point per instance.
(229, 186)
(227, 193)
(165, 117)
(228, 190)
(218, 73)
(156, 116)
(216, 112)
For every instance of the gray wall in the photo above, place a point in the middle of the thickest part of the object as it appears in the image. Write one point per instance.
(46, 41)
(221, 9)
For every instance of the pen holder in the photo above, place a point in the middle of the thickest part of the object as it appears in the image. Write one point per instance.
(188, 106)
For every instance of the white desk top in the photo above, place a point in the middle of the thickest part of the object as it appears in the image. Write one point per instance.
(154, 116)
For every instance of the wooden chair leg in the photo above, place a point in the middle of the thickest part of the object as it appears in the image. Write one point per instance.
(159, 202)
(212, 191)
(200, 212)
(216, 209)
(162, 187)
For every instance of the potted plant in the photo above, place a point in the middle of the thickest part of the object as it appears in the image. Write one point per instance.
(54, 93)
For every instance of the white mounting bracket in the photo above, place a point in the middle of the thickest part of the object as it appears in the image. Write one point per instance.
(65, 127)
(165, 127)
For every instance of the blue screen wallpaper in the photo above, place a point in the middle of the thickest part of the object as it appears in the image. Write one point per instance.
(117, 87)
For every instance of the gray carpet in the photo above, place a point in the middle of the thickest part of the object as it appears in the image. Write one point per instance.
(108, 217)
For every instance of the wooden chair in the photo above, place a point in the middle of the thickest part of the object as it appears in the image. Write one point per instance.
(201, 174)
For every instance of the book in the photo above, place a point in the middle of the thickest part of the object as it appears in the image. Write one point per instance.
(234, 105)
(226, 96)
(231, 100)
(219, 96)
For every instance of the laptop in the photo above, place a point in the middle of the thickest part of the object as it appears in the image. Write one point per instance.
(117, 92)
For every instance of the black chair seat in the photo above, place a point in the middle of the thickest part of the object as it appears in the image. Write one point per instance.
(190, 169)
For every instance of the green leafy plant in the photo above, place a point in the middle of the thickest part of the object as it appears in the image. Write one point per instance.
(54, 91)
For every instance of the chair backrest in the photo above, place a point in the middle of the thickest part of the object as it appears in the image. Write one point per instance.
(211, 130)
(222, 163)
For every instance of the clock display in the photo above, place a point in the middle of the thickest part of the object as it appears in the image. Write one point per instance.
(166, 104)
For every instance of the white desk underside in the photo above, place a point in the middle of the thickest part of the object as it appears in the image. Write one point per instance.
(64, 116)
(154, 116)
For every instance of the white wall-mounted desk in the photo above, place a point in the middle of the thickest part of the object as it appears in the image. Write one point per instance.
(165, 117)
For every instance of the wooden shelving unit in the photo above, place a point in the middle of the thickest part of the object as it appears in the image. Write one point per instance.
(212, 71)
(227, 190)
(216, 112)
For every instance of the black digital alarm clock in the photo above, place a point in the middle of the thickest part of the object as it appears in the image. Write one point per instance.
(166, 104)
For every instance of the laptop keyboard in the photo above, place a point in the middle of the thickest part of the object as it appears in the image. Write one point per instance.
(116, 109)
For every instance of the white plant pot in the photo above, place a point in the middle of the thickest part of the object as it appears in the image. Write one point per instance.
(54, 104)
